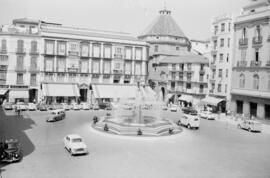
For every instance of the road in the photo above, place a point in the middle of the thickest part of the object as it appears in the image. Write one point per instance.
(214, 150)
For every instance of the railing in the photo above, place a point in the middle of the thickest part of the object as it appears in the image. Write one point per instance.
(201, 79)
(255, 63)
(212, 66)
(73, 53)
(59, 53)
(20, 82)
(3, 51)
(61, 79)
(243, 42)
(50, 53)
(267, 63)
(214, 52)
(33, 83)
(119, 56)
(202, 71)
(34, 52)
(60, 69)
(241, 63)
(49, 79)
(20, 69)
(117, 71)
(33, 69)
(48, 69)
(257, 40)
(3, 81)
(211, 91)
(72, 69)
(84, 55)
(20, 50)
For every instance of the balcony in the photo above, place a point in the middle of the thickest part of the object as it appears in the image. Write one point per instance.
(61, 53)
(60, 78)
(243, 42)
(20, 50)
(213, 66)
(84, 55)
(106, 76)
(201, 79)
(214, 37)
(20, 69)
(202, 71)
(33, 69)
(214, 52)
(3, 68)
(255, 63)
(83, 70)
(34, 52)
(49, 53)
(257, 41)
(211, 91)
(241, 63)
(60, 69)
(212, 80)
(117, 72)
(33, 83)
(267, 63)
(71, 79)
(118, 56)
(73, 69)
(48, 69)
(95, 75)
(2, 81)
(3, 51)
(73, 53)
(20, 82)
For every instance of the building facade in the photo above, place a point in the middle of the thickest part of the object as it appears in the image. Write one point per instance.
(172, 66)
(250, 93)
(221, 57)
(52, 62)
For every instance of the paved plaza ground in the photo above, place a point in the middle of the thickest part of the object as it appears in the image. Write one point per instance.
(215, 150)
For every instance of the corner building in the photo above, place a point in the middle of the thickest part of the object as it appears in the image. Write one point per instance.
(54, 63)
(174, 69)
(250, 93)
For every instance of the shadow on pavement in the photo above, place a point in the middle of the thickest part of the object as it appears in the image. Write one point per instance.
(14, 126)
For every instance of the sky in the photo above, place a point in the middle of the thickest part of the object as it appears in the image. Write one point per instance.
(132, 16)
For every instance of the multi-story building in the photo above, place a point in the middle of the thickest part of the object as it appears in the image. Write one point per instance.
(251, 61)
(201, 47)
(41, 60)
(221, 59)
(173, 68)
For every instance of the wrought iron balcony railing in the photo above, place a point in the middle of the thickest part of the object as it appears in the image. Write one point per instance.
(243, 42)
(255, 63)
(241, 63)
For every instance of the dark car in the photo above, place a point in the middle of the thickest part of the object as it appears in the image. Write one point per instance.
(10, 151)
(42, 107)
(8, 106)
(190, 111)
(56, 115)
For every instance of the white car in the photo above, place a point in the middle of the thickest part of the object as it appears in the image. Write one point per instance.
(190, 121)
(32, 107)
(174, 108)
(75, 145)
(250, 125)
(207, 115)
(75, 106)
(65, 106)
(85, 106)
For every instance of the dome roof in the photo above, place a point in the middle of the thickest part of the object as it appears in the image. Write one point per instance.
(163, 25)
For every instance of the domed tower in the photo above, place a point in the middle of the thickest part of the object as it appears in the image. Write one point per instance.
(171, 65)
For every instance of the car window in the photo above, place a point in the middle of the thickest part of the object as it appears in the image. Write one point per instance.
(76, 140)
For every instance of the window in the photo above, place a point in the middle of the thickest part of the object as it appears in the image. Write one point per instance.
(219, 88)
(244, 33)
(258, 31)
(242, 81)
(229, 27)
(215, 44)
(20, 61)
(177, 48)
(201, 66)
(33, 63)
(188, 76)
(20, 45)
(226, 88)
(128, 68)
(48, 64)
(84, 66)
(108, 52)
(182, 66)
(4, 45)
(49, 47)
(243, 54)
(128, 53)
(33, 78)
(188, 86)
(95, 66)
(223, 27)
(138, 53)
(84, 50)
(213, 86)
(189, 66)
(227, 59)
(257, 55)
(214, 58)
(62, 49)
(20, 79)
(221, 57)
(2, 76)
(220, 73)
(96, 51)
(227, 71)
(214, 73)
(256, 82)
(156, 48)
(107, 67)
(215, 29)
(33, 46)
(222, 42)
(228, 42)
(138, 68)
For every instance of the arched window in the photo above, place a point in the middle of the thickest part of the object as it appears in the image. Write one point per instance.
(256, 82)
(242, 81)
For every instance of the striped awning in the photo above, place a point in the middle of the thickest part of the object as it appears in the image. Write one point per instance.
(60, 89)
(212, 100)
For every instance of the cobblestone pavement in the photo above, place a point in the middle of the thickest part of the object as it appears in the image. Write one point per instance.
(214, 150)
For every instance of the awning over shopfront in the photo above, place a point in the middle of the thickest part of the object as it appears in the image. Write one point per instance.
(186, 98)
(114, 91)
(61, 90)
(3, 91)
(212, 100)
(18, 94)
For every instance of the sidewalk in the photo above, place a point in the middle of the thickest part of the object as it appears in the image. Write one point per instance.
(230, 120)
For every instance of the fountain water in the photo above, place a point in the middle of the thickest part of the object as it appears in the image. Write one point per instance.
(143, 113)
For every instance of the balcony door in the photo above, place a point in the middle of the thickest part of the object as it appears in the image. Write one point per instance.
(253, 109)
(239, 107)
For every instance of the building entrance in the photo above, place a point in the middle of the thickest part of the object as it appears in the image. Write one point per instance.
(33, 95)
(83, 95)
(267, 111)
(253, 109)
(239, 107)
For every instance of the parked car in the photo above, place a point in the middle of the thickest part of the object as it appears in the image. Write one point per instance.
(108, 107)
(95, 107)
(85, 106)
(8, 106)
(75, 145)
(56, 115)
(207, 115)
(189, 110)
(250, 125)
(75, 106)
(10, 151)
(65, 106)
(32, 106)
(42, 107)
(103, 105)
(174, 108)
(190, 121)
(21, 106)
(164, 108)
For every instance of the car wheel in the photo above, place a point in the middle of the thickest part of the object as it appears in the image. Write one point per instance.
(188, 126)
(239, 126)
(179, 122)
(249, 129)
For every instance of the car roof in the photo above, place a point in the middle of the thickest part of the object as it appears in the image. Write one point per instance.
(11, 141)
(74, 136)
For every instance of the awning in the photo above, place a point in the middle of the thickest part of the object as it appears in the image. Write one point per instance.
(212, 100)
(186, 98)
(63, 89)
(3, 91)
(19, 94)
(114, 91)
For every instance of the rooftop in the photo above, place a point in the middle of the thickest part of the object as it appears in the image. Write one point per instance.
(185, 57)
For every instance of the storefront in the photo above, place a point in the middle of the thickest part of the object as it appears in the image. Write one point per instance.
(18, 95)
(216, 104)
(185, 100)
(3, 94)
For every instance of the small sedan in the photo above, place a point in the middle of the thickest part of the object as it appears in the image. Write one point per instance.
(65, 106)
(8, 106)
(190, 121)
(42, 107)
(56, 115)
(207, 115)
(11, 151)
(32, 107)
(174, 108)
(75, 145)
(250, 125)
(75, 106)
(85, 106)
(95, 107)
